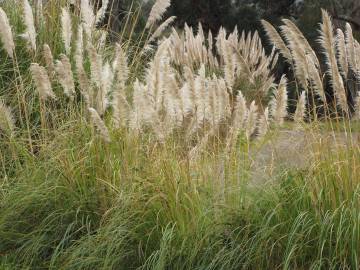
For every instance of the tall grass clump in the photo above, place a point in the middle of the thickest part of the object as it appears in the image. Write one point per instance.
(146, 150)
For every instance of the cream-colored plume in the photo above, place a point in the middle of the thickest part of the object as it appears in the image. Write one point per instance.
(87, 17)
(30, 33)
(157, 11)
(263, 124)
(120, 105)
(99, 125)
(279, 103)
(107, 78)
(141, 113)
(238, 121)
(300, 109)
(42, 82)
(357, 106)
(342, 55)
(100, 15)
(79, 49)
(160, 30)
(65, 75)
(6, 35)
(276, 40)
(251, 120)
(7, 122)
(328, 42)
(66, 29)
(49, 59)
(95, 65)
(350, 47)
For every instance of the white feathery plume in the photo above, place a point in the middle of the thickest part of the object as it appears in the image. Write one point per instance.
(240, 112)
(173, 106)
(229, 64)
(107, 78)
(300, 109)
(301, 41)
(65, 76)
(7, 122)
(251, 120)
(159, 31)
(42, 82)
(95, 65)
(6, 35)
(39, 14)
(100, 15)
(223, 109)
(357, 106)
(79, 50)
(142, 112)
(99, 125)
(357, 55)
(87, 17)
(238, 121)
(200, 96)
(317, 83)
(49, 59)
(119, 104)
(120, 65)
(84, 86)
(30, 33)
(279, 103)
(327, 40)
(157, 11)
(263, 124)
(101, 36)
(276, 40)
(121, 109)
(342, 55)
(350, 47)
(300, 59)
(186, 100)
(66, 29)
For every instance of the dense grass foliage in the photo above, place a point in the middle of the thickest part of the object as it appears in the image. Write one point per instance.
(145, 154)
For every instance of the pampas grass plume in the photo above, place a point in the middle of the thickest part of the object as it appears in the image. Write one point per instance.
(263, 124)
(251, 120)
(99, 125)
(42, 82)
(49, 59)
(157, 11)
(30, 33)
(159, 31)
(279, 103)
(65, 76)
(300, 109)
(7, 122)
(66, 29)
(6, 35)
